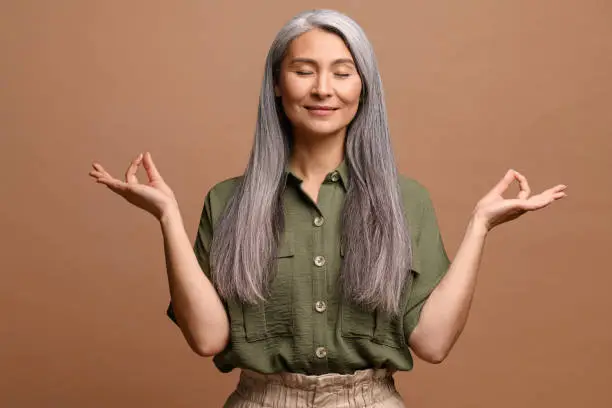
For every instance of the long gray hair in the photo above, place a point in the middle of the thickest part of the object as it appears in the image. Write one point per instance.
(376, 266)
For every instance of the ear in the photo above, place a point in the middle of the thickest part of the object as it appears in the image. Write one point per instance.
(277, 91)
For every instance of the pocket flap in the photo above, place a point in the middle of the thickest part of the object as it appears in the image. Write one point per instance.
(416, 262)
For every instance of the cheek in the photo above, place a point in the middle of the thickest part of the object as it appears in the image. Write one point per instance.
(294, 91)
(291, 106)
(350, 97)
(350, 93)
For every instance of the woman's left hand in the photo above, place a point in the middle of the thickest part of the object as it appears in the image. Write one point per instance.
(493, 209)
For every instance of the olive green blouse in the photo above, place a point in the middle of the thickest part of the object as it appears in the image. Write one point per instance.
(304, 327)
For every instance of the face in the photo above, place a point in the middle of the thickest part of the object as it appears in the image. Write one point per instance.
(319, 84)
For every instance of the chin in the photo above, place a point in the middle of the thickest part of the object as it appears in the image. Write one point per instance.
(323, 129)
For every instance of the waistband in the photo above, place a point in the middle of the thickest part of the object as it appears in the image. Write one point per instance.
(319, 382)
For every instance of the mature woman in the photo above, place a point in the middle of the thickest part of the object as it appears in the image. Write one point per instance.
(320, 269)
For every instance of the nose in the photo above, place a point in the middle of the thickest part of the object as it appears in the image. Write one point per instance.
(322, 86)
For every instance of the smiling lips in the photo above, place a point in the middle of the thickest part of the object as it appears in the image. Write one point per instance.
(319, 110)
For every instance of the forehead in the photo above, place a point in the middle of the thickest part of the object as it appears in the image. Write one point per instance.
(319, 45)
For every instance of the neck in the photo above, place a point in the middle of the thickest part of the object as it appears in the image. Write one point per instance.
(312, 158)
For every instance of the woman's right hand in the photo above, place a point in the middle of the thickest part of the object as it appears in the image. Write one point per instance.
(154, 197)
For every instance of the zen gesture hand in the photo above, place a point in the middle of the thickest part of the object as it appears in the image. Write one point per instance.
(154, 197)
(493, 209)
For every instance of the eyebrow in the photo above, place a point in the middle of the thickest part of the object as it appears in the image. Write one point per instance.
(311, 61)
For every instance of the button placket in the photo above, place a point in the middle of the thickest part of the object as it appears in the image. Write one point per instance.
(319, 277)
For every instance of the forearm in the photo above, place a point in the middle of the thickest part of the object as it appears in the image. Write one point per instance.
(445, 312)
(198, 309)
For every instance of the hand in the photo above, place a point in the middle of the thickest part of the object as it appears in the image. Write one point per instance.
(154, 197)
(493, 209)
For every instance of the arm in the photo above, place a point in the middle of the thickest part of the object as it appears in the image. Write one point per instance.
(445, 312)
(195, 306)
(198, 310)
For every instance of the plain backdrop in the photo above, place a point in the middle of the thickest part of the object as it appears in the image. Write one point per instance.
(473, 88)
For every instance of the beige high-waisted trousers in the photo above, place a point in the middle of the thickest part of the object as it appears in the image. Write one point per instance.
(373, 388)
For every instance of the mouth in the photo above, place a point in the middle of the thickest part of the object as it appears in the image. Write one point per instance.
(320, 108)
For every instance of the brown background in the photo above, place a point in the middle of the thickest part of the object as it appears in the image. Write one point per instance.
(473, 88)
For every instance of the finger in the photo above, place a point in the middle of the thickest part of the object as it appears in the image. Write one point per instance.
(522, 205)
(103, 177)
(96, 174)
(150, 168)
(558, 192)
(99, 175)
(555, 189)
(523, 185)
(130, 173)
(560, 187)
(537, 202)
(117, 186)
(503, 184)
(101, 169)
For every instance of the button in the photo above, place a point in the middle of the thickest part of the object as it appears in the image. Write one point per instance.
(320, 306)
(319, 260)
(318, 221)
(321, 352)
(335, 176)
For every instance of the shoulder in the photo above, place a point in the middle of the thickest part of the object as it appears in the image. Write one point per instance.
(413, 193)
(220, 194)
(409, 185)
(224, 189)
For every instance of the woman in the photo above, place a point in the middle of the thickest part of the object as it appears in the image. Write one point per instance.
(320, 269)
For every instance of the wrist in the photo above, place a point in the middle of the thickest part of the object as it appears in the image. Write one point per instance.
(169, 215)
(477, 225)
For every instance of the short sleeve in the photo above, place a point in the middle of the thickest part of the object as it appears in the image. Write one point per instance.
(201, 246)
(430, 263)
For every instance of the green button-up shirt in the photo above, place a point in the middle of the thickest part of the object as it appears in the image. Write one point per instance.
(304, 326)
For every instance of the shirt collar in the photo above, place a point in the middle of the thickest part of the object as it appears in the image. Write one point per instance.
(339, 174)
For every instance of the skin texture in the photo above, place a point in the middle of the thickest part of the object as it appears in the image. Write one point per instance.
(317, 70)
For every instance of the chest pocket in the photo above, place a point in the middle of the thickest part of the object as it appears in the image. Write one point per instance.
(274, 317)
(376, 326)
